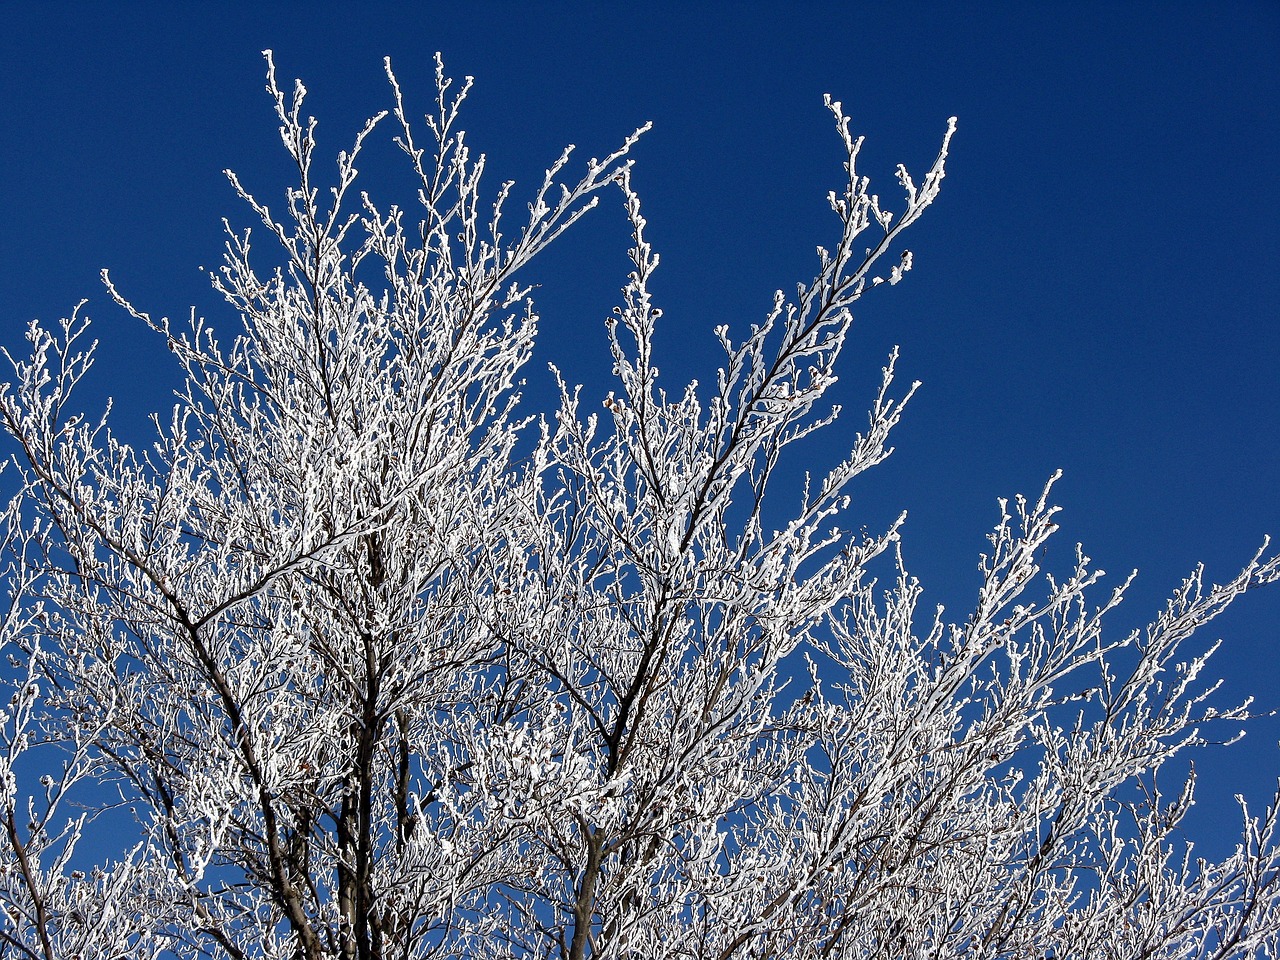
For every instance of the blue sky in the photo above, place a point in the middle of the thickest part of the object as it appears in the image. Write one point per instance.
(1095, 290)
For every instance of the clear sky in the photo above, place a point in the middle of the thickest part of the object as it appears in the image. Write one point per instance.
(1095, 290)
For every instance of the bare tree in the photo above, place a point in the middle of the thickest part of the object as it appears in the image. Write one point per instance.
(374, 664)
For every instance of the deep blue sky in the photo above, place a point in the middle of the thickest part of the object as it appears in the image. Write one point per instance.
(1095, 290)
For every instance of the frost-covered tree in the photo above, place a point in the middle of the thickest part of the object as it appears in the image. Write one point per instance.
(369, 660)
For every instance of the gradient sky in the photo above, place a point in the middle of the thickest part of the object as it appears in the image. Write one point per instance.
(1095, 290)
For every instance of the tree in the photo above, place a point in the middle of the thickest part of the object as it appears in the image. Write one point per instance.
(375, 664)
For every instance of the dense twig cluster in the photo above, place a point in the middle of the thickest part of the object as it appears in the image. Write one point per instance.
(375, 666)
